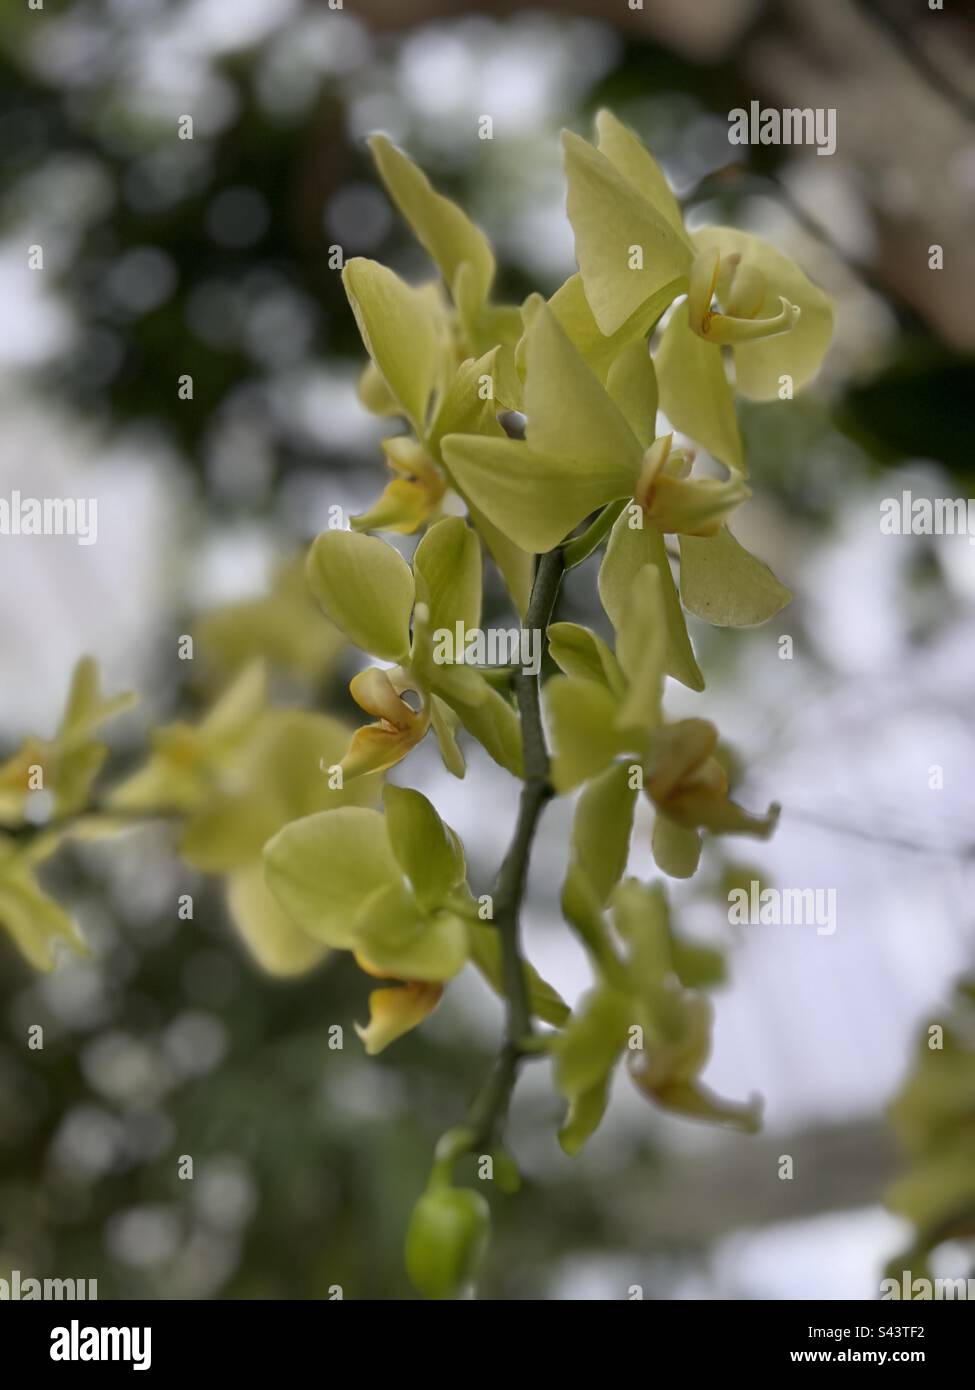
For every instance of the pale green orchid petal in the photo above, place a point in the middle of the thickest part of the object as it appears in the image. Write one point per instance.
(470, 403)
(445, 724)
(695, 394)
(324, 867)
(485, 325)
(630, 548)
(642, 920)
(428, 853)
(447, 233)
(77, 769)
(601, 829)
(628, 252)
(585, 1056)
(282, 626)
(185, 760)
(676, 849)
(87, 707)
(582, 714)
(461, 684)
(501, 324)
(464, 410)
(582, 909)
(447, 571)
(571, 308)
(698, 966)
(395, 937)
(694, 506)
(366, 588)
(641, 646)
(468, 298)
(36, 922)
(374, 394)
(632, 386)
(515, 564)
(725, 585)
(593, 1040)
(484, 713)
(584, 1115)
(569, 411)
(509, 387)
(173, 778)
(797, 354)
(232, 718)
(400, 332)
(580, 454)
(279, 774)
(579, 652)
(536, 499)
(634, 161)
(280, 947)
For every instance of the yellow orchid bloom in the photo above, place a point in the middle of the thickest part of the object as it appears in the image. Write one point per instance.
(399, 727)
(66, 765)
(392, 611)
(414, 495)
(636, 257)
(395, 1009)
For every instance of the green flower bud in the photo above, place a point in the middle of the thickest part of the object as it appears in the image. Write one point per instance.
(446, 1240)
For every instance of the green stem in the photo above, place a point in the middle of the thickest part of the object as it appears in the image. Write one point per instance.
(491, 1104)
(581, 547)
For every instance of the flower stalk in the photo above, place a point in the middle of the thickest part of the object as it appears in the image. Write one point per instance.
(490, 1106)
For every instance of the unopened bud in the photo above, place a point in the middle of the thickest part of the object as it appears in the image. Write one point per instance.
(446, 1240)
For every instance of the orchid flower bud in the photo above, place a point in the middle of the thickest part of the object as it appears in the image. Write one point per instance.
(446, 1240)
